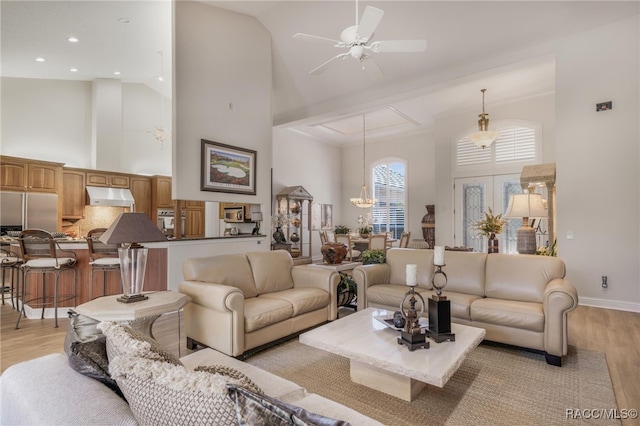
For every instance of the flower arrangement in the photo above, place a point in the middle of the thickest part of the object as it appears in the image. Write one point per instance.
(341, 229)
(364, 223)
(548, 251)
(280, 219)
(491, 224)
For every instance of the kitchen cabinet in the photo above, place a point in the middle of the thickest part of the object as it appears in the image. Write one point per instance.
(73, 194)
(194, 223)
(161, 193)
(140, 187)
(17, 174)
(110, 180)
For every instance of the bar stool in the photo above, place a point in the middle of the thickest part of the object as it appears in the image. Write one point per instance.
(40, 253)
(10, 261)
(104, 257)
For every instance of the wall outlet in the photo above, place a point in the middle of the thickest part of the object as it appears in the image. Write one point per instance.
(605, 284)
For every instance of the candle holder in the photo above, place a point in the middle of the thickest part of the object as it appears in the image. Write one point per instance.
(412, 336)
(439, 310)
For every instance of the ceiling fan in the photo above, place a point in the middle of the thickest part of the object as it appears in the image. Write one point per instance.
(356, 39)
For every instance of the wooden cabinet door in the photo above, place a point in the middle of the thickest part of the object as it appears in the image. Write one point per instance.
(13, 175)
(141, 190)
(43, 178)
(107, 180)
(119, 181)
(73, 194)
(163, 193)
(194, 223)
(193, 204)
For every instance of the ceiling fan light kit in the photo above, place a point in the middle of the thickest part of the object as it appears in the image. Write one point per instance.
(483, 137)
(356, 37)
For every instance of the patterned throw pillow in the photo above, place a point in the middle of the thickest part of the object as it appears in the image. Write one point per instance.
(161, 393)
(90, 359)
(260, 410)
(123, 340)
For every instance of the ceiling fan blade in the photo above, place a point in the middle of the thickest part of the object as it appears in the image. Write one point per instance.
(324, 65)
(370, 20)
(399, 46)
(371, 67)
(317, 39)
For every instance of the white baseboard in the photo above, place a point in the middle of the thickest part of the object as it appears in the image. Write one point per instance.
(36, 313)
(609, 304)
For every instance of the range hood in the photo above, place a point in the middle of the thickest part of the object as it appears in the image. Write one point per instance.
(110, 197)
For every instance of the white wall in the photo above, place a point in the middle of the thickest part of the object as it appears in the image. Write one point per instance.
(222, 93)
(597, 158)
(51, 120)
(302, 160)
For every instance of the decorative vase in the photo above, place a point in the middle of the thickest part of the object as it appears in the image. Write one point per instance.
(364, 235)
(278, 236)
(333, 253)
(294, 237)
(493, 244)
(429, 225)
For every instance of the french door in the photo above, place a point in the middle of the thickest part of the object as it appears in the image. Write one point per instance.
(473, 197)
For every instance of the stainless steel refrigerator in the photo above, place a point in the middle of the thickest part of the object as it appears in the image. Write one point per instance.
(29, 210)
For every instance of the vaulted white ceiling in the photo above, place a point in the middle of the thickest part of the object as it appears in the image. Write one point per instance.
(499, 45)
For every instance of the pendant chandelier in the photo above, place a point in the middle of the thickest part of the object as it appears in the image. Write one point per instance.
(483, 137)
(363, 201)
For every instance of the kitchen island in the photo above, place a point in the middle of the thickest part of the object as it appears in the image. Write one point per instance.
(164, 264)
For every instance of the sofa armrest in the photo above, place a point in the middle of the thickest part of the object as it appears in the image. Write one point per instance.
(368, 275)
(560, 297)
(324, 279)
(219, 297)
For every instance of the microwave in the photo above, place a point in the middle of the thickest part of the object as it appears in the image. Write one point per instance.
(234, 214)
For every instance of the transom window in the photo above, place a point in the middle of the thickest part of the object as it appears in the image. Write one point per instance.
(390, 191)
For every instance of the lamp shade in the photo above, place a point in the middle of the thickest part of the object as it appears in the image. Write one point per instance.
(526, 205)
(256, 216)
(132, 228)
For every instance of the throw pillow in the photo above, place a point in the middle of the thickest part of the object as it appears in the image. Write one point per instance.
(90, 359)
(160, 393)
(260, 410)
(81, 329)
(123, 340)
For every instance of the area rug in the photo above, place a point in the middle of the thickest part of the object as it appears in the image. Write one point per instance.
(496, 385)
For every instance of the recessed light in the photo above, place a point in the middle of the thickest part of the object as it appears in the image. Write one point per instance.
(124, 20)
(39, 59)
(74, 70)
(72, 40)
(116, 73)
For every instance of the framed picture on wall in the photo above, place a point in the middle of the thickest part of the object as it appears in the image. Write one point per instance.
(226, 168)
(326, 216)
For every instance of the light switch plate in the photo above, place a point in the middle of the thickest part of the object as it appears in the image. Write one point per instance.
(569, 235)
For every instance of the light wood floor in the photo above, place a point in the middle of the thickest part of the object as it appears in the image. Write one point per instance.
(616, 333)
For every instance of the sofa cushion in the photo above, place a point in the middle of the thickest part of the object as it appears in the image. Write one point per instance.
(386, 295)
(303, 300)
(399, 258)
(260, 312)
(271, 270)
(90, 359)
(228, 269)
(523, 277)
(123, 340)
(161, 393)
(460, 302)
(255, 409)
(509, 313)
(465, 272)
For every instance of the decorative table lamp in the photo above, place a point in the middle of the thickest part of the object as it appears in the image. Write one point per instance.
(257, 218)
(439, 307)
(130, 229)
(526, 206)
(412, 335)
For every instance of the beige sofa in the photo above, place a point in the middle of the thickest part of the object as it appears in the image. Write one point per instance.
(243, 301)
(521, 300)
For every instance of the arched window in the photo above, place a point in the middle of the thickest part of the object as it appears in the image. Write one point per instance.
(389, 188)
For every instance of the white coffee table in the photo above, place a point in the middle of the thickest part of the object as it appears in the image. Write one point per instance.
(379, 362)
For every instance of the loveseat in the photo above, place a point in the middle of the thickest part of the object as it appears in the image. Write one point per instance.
(244, 301)
(521, 300)
(47, 391)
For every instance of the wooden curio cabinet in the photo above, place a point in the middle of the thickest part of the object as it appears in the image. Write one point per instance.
(295, 201)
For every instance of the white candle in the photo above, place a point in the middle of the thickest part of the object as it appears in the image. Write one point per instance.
(438, 256)
(412, 272)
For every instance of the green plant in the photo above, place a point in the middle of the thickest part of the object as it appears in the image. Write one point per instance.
(371, 257)
(548, 251)
(341, 229)
(491, 224)
(347, 283)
